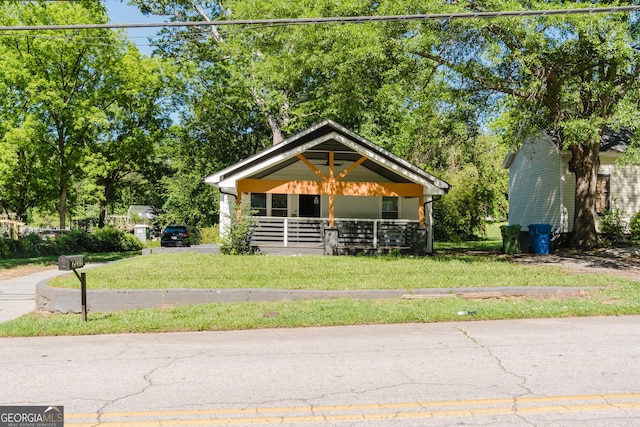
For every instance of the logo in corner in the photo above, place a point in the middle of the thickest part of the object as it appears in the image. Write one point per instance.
(31, 416)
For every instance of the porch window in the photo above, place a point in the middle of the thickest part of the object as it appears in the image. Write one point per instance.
(259, 204)
(602, 193)
(279, 205)
(389, 207)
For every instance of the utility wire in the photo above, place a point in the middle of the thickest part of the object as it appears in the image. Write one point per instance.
(330, 20)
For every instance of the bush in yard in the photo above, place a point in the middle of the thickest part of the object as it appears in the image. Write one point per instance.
(462, 213)
(612, 226)
(210, 234)
(25, 247)
(74, 242)
(112, 240)
(634, 226)
(5, 248)
(32, 246)
(238, 238)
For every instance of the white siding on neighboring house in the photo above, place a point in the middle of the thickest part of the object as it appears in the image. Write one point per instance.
(542, 189)
(625, 186)
(535, 191)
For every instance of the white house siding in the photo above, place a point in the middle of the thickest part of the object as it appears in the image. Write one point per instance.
(360, 207)
(227, 208)
(624, 186)
(624, 192)
(371, 207)
(409, 208)
(535, 194)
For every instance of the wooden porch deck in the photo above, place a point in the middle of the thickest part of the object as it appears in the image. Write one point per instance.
(354, 235)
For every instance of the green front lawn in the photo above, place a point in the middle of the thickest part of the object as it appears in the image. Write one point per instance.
(616, 296)
(196, 270)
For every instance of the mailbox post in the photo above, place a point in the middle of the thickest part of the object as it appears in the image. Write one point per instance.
(72, 262)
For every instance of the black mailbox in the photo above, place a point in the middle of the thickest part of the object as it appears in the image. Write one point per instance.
(70, 262)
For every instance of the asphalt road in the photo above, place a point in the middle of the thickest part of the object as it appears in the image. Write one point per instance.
(550, 372)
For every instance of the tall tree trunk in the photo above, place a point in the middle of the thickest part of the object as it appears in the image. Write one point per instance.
(102, 218)
(585, 163)
(63, 204)
(108, 193)
(276, 131)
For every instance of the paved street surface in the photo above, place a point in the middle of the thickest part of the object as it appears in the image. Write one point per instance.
(549, 372)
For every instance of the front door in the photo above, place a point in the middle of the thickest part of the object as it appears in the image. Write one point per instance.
(309, 206)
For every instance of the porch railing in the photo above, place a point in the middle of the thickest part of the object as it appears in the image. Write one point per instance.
(309, 232)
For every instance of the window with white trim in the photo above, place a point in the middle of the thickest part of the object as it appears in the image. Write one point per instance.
(259, 204)
(389, 207)
(279, 205)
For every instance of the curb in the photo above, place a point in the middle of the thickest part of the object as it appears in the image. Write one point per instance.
(63, 300)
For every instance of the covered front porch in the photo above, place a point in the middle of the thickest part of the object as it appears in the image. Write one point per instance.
(329, 187)
(348, 236)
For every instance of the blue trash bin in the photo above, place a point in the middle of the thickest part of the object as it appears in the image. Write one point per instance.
(540, 237)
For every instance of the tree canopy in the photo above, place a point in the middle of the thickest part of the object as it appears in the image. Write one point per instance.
(573, 75)
(87, 119)
(74, 104)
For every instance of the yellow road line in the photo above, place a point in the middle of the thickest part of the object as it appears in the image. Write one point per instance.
(360, 412)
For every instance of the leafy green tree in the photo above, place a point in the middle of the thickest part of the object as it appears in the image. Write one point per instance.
(255, 86)
(51, 90)
(138, 119)
(571, 74)
(78, 106)
(286, 78)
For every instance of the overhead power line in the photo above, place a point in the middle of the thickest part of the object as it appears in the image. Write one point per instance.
(331, 20)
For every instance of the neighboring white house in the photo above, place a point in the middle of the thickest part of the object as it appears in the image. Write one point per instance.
(329, 178)
(542, 189)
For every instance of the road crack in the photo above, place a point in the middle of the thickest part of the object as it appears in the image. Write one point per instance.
(149, 383)
(523, 380)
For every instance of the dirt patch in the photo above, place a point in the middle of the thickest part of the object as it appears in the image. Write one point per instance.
(558, 296)
(623, 262)
(21, 271)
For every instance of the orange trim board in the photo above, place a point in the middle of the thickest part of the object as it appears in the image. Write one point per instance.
(331, 188)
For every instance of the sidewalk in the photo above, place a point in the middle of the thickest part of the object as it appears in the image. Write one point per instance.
(18, 295)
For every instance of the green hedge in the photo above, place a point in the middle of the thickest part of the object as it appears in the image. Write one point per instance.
(76, 241)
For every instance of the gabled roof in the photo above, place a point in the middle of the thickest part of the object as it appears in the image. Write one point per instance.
(616, 141)
(327, 136)
(611, 142)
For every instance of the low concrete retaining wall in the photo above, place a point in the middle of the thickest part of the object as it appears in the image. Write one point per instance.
(64, 300)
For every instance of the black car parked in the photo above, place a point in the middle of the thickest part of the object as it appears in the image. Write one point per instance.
(178, 235)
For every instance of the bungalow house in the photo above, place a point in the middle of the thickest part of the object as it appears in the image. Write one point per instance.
(542, 189)
(327, 187)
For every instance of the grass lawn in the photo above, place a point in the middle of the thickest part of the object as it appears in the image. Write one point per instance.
(196, 270)
(614, 296)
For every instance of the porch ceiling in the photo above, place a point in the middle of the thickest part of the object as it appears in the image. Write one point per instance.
(343, 158)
